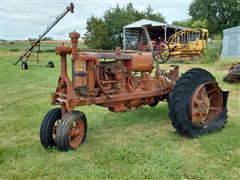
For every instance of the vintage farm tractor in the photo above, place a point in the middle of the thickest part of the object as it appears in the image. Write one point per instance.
(123, 81)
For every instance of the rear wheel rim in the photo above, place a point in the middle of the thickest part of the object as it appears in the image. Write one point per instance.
(206, 103)
(76, 133)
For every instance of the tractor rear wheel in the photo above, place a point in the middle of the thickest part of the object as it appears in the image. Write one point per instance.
(197, 105)
(72, 131)
(49, 127)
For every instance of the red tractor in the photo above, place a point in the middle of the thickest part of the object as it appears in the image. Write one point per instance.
(123, 81)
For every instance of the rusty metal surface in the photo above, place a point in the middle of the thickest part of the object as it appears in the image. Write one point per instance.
(206, 103)
(114, 79)
(76, 133)
(142, 62)
(123, 82)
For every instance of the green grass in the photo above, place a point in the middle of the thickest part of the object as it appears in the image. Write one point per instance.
(46, 46)
(140, 144)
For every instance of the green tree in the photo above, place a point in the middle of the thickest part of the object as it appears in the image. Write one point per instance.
(185, 23)
(106, 32)
(192, 23)
(217, 14)
(96, 34)
(149, 14)
(200, 24)
(116, 18)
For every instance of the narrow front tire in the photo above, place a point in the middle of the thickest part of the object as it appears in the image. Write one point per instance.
(49, 127)
(72, 131)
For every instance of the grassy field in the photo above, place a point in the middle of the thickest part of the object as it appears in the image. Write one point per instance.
(45, 46)
(140, 144)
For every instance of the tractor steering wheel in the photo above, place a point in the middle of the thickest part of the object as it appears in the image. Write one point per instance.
(161, 51)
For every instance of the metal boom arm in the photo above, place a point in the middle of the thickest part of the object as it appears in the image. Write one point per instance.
(58, 18)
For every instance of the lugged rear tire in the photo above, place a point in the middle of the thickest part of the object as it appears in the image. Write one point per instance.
(181, 97)
(72, 131)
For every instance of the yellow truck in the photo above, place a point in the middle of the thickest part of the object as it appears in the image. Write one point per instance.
(188, 43)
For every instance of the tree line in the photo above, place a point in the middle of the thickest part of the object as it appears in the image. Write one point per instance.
(214, 15)
(105, 32)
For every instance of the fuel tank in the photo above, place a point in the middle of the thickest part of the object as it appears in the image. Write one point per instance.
(141, 62)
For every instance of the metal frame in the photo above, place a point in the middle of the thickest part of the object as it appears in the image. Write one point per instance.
(28, 52)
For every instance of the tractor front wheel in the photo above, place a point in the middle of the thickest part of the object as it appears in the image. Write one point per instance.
(72, 131)
(49, 127)
(197, 105)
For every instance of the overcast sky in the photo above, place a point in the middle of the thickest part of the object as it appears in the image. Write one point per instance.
(22, 19)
